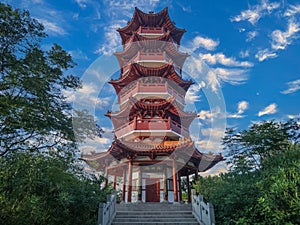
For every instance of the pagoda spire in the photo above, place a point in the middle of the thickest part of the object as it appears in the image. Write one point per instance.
(144, 20)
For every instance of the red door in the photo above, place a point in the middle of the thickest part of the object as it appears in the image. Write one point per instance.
(153, 190)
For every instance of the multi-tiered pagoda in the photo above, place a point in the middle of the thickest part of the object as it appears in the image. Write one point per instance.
(152, 149)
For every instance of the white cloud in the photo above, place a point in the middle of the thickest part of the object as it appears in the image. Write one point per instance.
(293, 9)
(205, 115)
(251, 15)
(211, 140)
(185, 8)
(232, 76)
(102, 140)
(209, 114)
(82, 3)
(52, 27)
(270, 109)
(116, 11)
(213, 81)
(255, 13)
(113, 38)
(251, 35)
(216, 133)
(221, 167)
(78, 54)
(293, 116)
(244, 54)
(293, 86)
(215, 76)
(193, 94)
(220, 58)
(264, 54)
(281, 39)
(241, 108)
(204, 42)
(87, 97)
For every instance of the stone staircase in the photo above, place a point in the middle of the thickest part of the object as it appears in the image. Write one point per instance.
(154, 214)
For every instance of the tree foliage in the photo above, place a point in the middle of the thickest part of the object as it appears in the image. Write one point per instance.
(44, 190)
(40, 183)
(263, 184)
(34, 113)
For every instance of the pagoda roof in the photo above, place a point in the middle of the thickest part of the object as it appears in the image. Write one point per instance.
(130, 150)
(133, 106)
(160, 45)
(139, 43)
(127, 56)
(137, 71)
(135, 37)
(169, 104)
(160, 19)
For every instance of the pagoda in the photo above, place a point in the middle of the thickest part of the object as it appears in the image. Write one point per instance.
(152, 149)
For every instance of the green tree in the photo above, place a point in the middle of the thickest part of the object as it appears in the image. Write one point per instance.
(279, 186)
(34, 113)
(248, 149)
(44, 190)
(39, 180)
(262, 186)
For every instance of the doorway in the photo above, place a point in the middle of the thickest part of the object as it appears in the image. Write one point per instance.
(153, 190)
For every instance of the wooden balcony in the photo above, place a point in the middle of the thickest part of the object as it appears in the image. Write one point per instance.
(148, 59)
(151, 32)
(141, 90)
(151, 57)
(154, 127)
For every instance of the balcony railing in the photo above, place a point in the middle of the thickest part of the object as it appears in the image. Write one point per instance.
(144, 88)
(151, 56)
(147, 59)
(150, 31)
(148, 125)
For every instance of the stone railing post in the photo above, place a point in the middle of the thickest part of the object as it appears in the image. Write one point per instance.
(204, 212)
(107, 211)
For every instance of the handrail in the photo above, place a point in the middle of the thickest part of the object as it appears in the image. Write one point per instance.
(154, 123)
(107, 211)
(141, 86)
(204, 212)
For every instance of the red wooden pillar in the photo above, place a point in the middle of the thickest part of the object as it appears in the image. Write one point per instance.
(166, 184)
(188, 188)
(140, 185)
(124, 184)
(196, 175)
(129, 181)
(179, 187)
(115, 182)
(106, 177)
(134, 123)
(175, 182)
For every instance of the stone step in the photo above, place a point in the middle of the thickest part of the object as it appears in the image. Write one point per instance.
(154, 206)
(133, 213)
(154, 214)
(150, 215)
(157, 219)
(155, 223)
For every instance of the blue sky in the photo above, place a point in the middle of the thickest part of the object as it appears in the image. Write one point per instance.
(252, 48)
